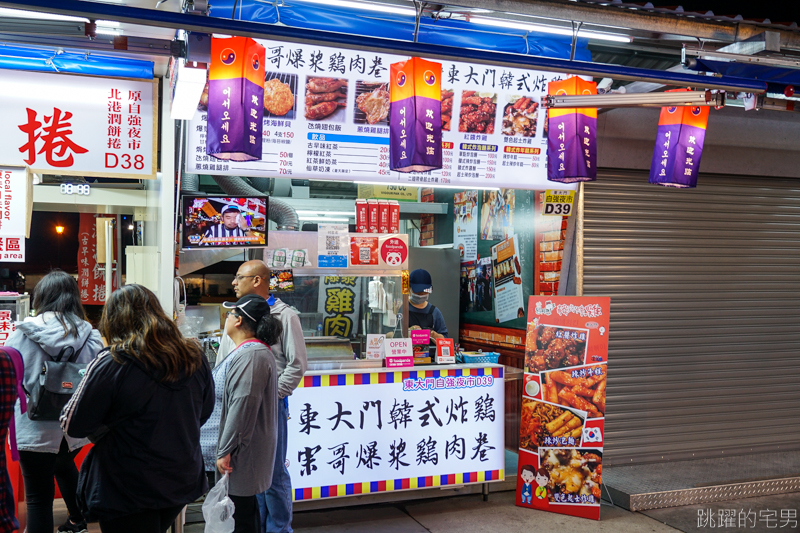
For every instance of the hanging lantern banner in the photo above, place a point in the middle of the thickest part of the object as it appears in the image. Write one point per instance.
(415, 110)
(679, 145)
(572, 143)
(235, 99)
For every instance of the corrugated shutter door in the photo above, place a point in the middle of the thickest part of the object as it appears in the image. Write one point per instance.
(704, 353)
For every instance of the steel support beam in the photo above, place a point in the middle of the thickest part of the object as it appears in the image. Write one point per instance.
(615, 17)
(189, 22)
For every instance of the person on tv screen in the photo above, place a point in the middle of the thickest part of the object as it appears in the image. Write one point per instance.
(233, 225)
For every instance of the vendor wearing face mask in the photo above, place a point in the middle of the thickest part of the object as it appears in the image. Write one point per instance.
(420, 312)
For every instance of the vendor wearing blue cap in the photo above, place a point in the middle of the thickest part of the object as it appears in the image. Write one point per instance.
(420, 312)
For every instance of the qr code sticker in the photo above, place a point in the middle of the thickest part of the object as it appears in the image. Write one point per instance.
(445, 351)
(331, 242)
(363, 254)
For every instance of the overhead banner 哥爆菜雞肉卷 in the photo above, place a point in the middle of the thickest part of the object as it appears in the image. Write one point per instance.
(326, 115)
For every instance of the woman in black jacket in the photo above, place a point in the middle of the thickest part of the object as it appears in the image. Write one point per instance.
(143, 400)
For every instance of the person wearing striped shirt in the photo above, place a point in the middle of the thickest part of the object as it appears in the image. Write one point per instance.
(233, 225)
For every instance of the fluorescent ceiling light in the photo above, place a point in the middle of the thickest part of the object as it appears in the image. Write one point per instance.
(430, 185)
(325, 219)
(108, 23)
(107, 31)
(21, 14)
(381, 8)
(188, 89)
(503, 23)
(314, 213)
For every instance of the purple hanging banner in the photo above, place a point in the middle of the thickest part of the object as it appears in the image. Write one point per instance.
(235, 99)
(415, 116)
(679, 146)
(572, 141)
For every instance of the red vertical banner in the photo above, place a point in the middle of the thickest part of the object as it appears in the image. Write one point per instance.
(563, 405)
(91, 275)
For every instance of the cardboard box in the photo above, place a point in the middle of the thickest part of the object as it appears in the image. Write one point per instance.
(374, 216)
(362, 216)
(383, 216)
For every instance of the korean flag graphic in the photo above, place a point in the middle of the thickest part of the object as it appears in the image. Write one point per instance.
(592, 435)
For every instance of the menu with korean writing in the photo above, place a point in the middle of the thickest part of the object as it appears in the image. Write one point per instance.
(563, 405)
(360, 433)
(79, 125)
(326, 116)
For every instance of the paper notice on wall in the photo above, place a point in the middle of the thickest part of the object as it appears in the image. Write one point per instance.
(508, 297)
(465, 225)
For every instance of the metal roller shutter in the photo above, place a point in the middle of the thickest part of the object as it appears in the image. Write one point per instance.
(704, 353)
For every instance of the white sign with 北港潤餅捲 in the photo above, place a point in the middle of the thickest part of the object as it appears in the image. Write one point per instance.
(78, 125)
(356, 433)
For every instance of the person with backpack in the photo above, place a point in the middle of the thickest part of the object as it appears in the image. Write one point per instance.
(57, 336)
(143, 401)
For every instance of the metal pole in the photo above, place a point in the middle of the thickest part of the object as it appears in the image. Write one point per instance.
(579, 243)
(109, 224)
(177, 525)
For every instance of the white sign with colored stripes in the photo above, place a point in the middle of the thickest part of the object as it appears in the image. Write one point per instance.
(359, 433)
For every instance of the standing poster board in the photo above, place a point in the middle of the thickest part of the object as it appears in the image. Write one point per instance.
(563, 405)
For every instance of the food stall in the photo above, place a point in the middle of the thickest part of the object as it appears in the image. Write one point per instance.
(390, 429)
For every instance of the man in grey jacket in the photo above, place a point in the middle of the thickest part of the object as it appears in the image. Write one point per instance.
(290, 355)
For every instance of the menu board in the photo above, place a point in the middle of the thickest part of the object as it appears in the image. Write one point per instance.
(563, 405)
(326, 116)
(507, 269)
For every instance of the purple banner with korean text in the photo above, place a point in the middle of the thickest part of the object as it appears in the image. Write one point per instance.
(572, 142)
(235, 99)
(415, 116)
(679, 146)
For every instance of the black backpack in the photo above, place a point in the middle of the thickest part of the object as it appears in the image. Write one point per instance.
(57, 382)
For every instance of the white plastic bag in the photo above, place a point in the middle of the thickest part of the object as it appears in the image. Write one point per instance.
(218, 508)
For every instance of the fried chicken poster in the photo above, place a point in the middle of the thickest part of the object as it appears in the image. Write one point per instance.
(564, 405)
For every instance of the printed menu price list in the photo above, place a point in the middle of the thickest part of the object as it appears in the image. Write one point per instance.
(476, 160)
(345, 154)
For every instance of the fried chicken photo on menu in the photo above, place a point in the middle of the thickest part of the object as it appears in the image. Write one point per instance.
(447, 108)
(322, 97)
(374, 104)
(325, 85)
(320, 111)
(278, 97)
(318, 98)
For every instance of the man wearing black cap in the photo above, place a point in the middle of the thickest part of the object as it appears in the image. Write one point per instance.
(420, 312)
(233, 225)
